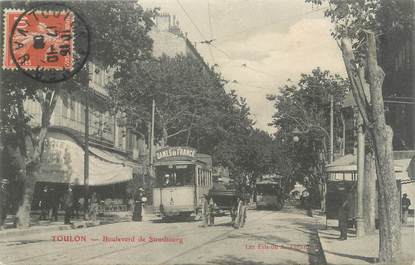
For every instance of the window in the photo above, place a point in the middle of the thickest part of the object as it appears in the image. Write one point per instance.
(175, 175)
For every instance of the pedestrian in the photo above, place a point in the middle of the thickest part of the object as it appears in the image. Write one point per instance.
(343, 216)
(306, 201)
(243, 199)
(3, 201)
(406, 202)
(93, 207)
(44, 203)
(68, 204)
(54, 204)
(76, 207)
(138, 205)
(81, 202)
(211, 214)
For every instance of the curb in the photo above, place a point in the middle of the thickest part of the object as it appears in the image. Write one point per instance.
(32, 230)
(323, 253)
(320, 244)
(15, 232)
(39, 229)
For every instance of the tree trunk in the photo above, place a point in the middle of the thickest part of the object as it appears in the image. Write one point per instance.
(33, 153)
(369, 194)
(374, 118)
(389, 208)
(23, 213)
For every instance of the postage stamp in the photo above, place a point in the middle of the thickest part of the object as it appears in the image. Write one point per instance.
(38, 40)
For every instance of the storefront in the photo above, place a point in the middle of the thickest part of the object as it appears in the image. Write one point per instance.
(63, 163)
(342, 178)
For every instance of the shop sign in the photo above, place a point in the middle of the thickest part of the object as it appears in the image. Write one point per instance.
(173, 152)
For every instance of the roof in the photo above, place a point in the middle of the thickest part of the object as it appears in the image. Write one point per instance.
(348, 163)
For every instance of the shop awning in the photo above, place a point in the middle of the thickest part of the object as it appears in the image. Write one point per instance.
(348, 163)
(63, 162)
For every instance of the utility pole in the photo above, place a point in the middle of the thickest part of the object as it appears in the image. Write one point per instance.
(151, 142)
(86, 156)
(360, 230)
(331, 130)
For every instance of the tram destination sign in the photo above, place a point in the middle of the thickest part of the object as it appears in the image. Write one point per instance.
(173, 152)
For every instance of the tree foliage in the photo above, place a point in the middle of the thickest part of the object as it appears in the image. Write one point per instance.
(305, 107)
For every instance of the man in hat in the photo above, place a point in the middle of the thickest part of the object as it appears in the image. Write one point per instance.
(53, 204)
(68, 204)
(138, 205)
(343, 215)
(3, 201)
(44, 203)
(406, 202)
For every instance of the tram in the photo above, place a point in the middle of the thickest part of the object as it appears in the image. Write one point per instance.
(183, 178)
(269, 195)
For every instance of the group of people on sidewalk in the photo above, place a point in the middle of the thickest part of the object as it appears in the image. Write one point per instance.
(50, 201)
(49, 205)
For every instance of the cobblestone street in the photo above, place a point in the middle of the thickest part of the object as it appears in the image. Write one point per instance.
(286, 237)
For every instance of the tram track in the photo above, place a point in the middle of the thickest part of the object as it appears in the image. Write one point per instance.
(89, 246)
(95, 250)
(215, 239)
(171, 258)
(79, 261)
(64, 247)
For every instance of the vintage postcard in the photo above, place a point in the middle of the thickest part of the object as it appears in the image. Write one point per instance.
(252, 132)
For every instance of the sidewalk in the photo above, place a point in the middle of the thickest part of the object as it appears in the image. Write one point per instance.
(37, 226)
(361, 250)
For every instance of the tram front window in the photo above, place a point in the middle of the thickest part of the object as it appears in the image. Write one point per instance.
(175, 176)
(267, 189)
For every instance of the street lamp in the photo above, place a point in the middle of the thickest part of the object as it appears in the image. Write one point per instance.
(296, 132)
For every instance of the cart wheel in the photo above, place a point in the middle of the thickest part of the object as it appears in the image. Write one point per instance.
(239, 215)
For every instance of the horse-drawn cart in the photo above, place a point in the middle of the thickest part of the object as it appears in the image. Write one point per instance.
(228, 197)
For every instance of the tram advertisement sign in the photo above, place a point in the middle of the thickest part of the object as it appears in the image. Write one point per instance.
(174, 152)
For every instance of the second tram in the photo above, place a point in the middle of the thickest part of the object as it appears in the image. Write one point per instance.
(269, 195)
(183, 178)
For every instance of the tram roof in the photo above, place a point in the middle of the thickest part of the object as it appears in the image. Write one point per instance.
(264, 182)
(181, 161)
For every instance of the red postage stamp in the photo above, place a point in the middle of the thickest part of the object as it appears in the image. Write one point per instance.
(38, 40)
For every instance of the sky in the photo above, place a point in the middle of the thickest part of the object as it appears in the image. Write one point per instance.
(258, 43)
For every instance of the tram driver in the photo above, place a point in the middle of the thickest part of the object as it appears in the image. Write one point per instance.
(167, 180)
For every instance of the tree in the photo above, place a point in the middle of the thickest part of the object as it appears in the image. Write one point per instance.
(357, 26)
(306, 107)
(192, 107)
(117, 21)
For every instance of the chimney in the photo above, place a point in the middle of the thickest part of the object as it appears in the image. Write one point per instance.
(163, 22)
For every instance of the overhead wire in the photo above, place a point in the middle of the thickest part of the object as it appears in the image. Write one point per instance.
(211, 44)
(211, 31)
(227, 37)
(194, 24)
